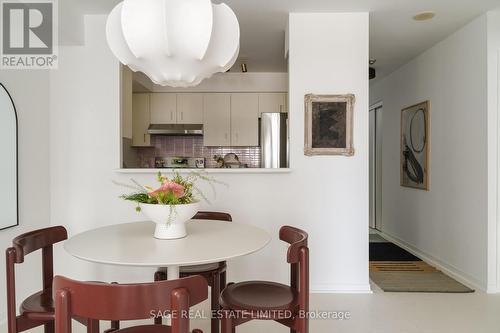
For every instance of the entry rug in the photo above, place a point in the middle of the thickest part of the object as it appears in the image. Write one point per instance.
(380, 251)
(413, 276)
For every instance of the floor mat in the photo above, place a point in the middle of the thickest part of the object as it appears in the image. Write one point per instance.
(394, 269)
(401, 266)
(389, 252)
(414, 277)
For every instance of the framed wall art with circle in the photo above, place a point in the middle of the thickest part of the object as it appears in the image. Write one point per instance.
(415, 146)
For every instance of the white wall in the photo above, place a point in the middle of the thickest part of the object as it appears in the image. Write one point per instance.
(30, 92)
(448, 224)
(335, 189)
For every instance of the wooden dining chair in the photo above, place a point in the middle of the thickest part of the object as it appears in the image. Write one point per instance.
(214, 273)
(120, 302)
(37, 309)
(265, 300)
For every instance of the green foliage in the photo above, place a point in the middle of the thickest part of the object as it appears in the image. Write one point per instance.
(140, 198)
(178, 190)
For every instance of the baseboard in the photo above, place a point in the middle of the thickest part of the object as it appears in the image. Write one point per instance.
(493, 289)
(341, 289)
(453, 272)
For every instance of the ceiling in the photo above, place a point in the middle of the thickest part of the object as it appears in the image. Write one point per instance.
(395, 38)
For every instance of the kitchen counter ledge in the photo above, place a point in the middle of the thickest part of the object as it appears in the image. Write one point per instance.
(208, 170)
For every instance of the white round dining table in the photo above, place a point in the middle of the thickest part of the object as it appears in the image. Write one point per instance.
(133, 244)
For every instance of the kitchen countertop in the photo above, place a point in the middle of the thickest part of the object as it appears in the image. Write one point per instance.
(208, 170)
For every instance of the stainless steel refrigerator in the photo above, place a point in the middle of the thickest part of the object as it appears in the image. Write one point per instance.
(274, 140)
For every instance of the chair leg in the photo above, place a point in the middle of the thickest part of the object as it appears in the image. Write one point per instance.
(227, 324)
(223, 281)
(92, 326)
(158, 320)
(159, 276)
(215, 294)
(115, 326)
(48, 328)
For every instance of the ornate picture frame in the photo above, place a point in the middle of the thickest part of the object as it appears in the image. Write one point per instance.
(329, 125)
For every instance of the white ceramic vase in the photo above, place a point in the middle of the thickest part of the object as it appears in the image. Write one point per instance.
(170, 221)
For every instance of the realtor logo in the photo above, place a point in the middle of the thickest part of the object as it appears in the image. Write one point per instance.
(29, 34)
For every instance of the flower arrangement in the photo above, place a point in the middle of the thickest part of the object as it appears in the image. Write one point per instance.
(177, 190)
(171, 204)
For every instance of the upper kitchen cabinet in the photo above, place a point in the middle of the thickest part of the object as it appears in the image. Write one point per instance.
(245, 119)
(189, 108)
(163, 108)
(272, 102)
(140, 120)
(217, 119)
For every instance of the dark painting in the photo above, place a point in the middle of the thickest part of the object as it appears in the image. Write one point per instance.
(329, 121)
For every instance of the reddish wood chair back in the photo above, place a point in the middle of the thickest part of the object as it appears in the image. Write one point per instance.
(23, 245)
(298, 257)
(127, 301)
(218, 216)
(38, 239)
(297, 239)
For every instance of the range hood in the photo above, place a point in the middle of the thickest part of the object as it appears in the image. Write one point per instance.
(176, 129)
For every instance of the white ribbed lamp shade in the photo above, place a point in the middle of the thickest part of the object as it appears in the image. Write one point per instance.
(175, 43)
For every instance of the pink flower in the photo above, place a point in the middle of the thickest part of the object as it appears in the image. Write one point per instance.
(176, 189)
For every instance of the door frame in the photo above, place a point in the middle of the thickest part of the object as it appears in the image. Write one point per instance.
(377, 173)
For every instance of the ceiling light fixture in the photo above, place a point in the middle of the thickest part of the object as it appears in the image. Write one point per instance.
(175, 43)
(424, 16)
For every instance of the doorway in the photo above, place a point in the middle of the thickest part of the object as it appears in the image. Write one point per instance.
(375, 133)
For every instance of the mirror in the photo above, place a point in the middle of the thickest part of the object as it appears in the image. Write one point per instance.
(8, 167)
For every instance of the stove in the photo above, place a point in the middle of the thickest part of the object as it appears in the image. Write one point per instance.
(180, 162)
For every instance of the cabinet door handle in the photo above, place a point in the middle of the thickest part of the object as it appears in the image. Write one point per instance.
(144, 137)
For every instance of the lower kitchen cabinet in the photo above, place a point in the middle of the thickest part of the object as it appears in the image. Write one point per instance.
(140, 120)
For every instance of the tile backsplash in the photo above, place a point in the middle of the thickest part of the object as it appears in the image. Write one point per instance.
(188, 146)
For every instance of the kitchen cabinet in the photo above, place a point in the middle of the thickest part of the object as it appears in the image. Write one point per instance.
(163, 108)
(245, 119)
(189, 108)
(216, 119)
(140, 120)
(272, 102)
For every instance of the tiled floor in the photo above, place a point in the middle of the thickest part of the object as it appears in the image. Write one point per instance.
(391, 313)
(401, 313)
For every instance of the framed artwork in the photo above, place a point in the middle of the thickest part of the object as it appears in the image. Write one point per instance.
(329, 125)
(415, 146)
